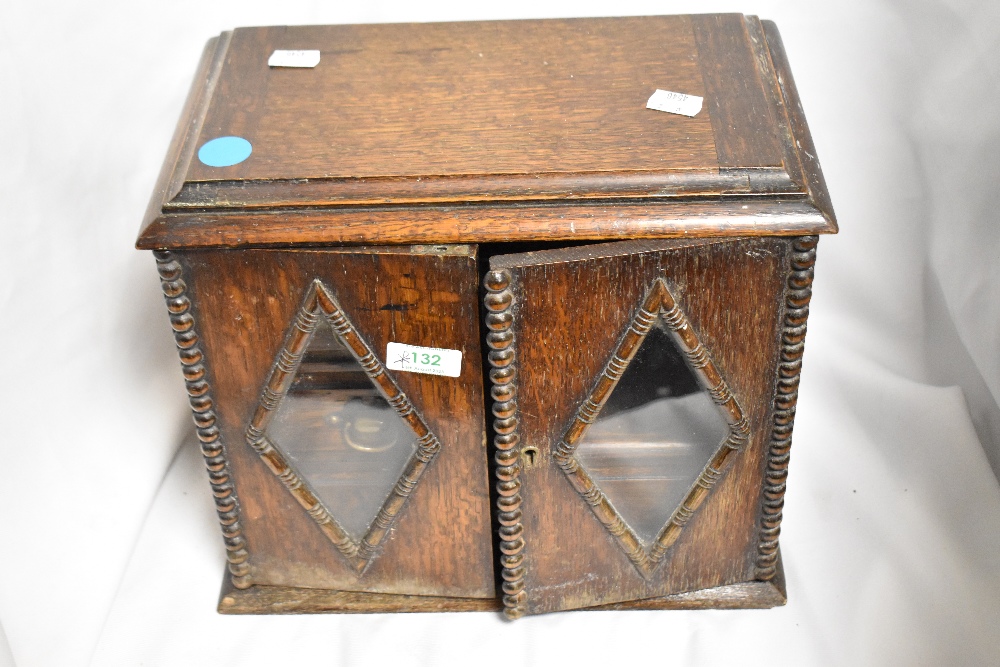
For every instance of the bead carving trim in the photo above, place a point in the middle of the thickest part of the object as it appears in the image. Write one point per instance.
(319, 302)
(658, 302)
(192, 363)
(798, 292)
(499, 302)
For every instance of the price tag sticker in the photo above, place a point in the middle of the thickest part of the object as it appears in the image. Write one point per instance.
(671, 102)
(301, 58)
(430, 360)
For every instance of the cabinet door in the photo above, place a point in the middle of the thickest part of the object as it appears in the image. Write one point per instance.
(633, 388)
(350, 475)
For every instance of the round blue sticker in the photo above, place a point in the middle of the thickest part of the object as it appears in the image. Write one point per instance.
(224, 151)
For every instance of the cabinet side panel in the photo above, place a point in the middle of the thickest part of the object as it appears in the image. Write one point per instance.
(198, 384)
(798, 293)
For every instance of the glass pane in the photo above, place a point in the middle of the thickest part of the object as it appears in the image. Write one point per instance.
(340, 434)
(653, 437)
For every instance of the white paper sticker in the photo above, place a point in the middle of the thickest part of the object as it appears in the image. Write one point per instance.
(279, 58)
(679, 103)
(415, 359)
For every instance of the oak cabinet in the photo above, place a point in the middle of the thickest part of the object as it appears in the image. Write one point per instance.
(466, 326)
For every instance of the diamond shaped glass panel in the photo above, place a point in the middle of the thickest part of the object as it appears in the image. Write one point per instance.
(653, 437)
(339, 434)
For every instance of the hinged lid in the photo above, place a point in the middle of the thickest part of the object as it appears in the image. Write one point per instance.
(433, 132)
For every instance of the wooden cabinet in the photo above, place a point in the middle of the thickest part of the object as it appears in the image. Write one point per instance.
(448, 253)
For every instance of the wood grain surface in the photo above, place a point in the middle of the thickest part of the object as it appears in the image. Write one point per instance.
(440, 543)
(744, 127)
(448, 125)
(422, 168)
(203, 411)
(615, 220)
(572, 308)
(440, 99)
(805, 148)
(288, 600)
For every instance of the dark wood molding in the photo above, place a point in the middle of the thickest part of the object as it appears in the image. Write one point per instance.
(499, 302)
(319, 302)
(202, 407)
(289, 600)
(194, 119)
(797, 295)
(607, 220)
(468, 188)
(815, 183)
(658, 302)
(776, 101)
(181, 150)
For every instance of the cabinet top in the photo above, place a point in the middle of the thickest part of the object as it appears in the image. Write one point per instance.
(497, 130)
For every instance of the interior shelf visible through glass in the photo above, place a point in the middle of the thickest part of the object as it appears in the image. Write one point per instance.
(653, 437)
(339, 433)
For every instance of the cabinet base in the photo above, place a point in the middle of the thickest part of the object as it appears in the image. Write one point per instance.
(287, 600)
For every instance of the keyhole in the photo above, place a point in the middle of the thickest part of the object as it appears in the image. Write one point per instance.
(528, 455)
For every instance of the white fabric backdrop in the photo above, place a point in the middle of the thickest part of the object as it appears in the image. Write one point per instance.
(109, 550)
